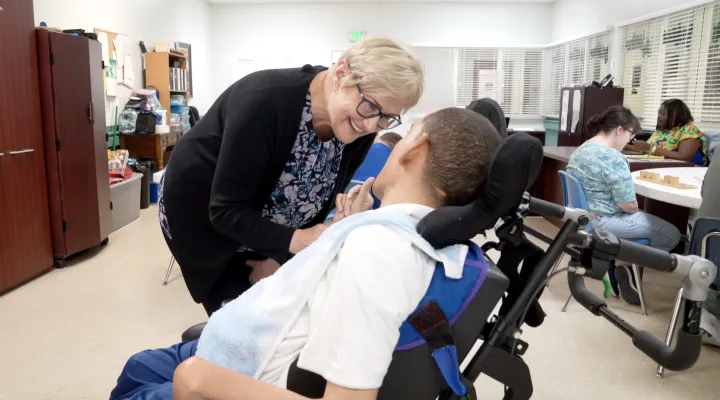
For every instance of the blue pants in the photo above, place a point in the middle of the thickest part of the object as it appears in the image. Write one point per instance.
(148, 375)
(662, 234)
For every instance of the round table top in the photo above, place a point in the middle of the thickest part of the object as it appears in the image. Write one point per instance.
(689, 198)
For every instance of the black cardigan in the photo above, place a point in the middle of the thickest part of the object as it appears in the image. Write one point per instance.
(223, 171)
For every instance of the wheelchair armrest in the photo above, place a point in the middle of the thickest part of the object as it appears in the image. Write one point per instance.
(193, 332)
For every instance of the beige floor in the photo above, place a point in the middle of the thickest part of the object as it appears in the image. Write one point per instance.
(67, 334)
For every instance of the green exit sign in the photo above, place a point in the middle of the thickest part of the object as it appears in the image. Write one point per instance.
(356, 35)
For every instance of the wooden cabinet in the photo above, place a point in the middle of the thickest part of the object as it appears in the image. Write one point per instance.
(72, 99)
(578, 105)
(25, 245)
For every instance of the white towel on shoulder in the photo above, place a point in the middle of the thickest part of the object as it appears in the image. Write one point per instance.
(245, 333)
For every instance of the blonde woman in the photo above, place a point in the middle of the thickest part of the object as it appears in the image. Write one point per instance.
(255, 178)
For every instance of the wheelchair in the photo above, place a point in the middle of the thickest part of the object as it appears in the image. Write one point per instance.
(502, 204)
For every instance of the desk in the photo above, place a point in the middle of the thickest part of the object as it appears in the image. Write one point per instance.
(547, 185)
(689, 198)
(151, 146)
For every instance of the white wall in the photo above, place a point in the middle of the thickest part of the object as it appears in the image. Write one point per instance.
(150, 21)
(575, 18)
(306, 33)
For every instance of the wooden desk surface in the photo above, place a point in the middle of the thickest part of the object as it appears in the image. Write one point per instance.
(560, 153)
(563, 153)
(528, 131)
(547, 185)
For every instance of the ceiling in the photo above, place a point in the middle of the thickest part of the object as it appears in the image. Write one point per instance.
(378, 1)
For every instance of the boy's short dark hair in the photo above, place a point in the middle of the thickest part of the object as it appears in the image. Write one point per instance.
(462, 148)
(390, 139)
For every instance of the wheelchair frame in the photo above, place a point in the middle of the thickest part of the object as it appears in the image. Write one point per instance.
(499, 356)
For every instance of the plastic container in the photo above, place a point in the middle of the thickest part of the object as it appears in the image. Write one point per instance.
(176, 108)
(177, 99)
(125, 198)
(162, 117)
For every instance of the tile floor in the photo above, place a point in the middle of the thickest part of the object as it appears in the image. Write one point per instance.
(67, 334)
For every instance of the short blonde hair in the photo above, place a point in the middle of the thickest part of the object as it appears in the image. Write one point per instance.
(384, 68)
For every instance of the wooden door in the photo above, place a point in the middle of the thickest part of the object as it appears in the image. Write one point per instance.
(6, 274)
(74, 130)
(23, 170)
(100, 141)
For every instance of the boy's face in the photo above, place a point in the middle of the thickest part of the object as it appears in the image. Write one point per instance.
(402, 155)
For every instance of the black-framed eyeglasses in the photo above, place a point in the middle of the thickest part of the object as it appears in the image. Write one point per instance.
(368, 109)
(632, 135)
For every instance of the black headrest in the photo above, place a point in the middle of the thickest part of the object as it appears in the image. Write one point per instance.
(491, 110)
(516, 165)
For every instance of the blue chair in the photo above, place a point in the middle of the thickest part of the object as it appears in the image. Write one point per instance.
(575, 197)
(704, 242)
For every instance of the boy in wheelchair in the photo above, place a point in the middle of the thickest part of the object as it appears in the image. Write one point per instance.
(349, 326)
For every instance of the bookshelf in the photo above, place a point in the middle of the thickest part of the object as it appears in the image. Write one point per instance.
(161, 72)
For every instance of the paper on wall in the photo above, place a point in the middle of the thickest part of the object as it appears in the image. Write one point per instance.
(564, 110)
(128, 71)
(103, 39)
(111, 90)
(577, 96)
(112, 79)
(119, 53)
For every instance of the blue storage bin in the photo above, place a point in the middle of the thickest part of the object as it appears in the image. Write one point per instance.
(154, 192)
(176, 108)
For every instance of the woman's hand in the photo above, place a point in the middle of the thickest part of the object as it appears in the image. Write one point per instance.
(640, 146)
(357, 200)
(262, 269)
(303, 238)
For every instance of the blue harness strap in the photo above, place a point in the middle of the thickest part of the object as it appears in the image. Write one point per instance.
(431, 322)
(434, 327)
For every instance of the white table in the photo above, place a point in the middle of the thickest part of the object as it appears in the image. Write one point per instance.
(689, 198)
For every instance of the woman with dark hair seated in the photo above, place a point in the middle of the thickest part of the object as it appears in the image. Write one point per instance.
(604, 174)
(676, 136)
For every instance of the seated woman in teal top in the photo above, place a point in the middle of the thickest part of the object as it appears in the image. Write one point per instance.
(604, 174)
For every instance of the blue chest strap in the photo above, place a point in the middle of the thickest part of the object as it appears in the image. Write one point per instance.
(430, 323)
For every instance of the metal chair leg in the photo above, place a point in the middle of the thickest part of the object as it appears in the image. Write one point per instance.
(564, 309)
(671, 328)
(638, 283)
(167, 274)
(554, 268)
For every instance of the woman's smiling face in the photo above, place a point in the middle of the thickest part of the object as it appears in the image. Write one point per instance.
(354, 114)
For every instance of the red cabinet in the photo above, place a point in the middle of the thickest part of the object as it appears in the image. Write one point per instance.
(25, 244)
(73, 116)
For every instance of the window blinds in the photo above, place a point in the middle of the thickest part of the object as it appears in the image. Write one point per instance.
(456, 76)
(572, 63)
(674, 56)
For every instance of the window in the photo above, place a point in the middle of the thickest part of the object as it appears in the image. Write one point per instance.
(572, 63)
(455, 76)
(674, 56)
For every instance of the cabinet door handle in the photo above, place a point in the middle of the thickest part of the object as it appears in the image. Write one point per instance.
(2, 154)
(12, 153)
(91, 112)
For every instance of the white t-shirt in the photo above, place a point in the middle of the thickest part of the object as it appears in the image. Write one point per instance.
(349, 329)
